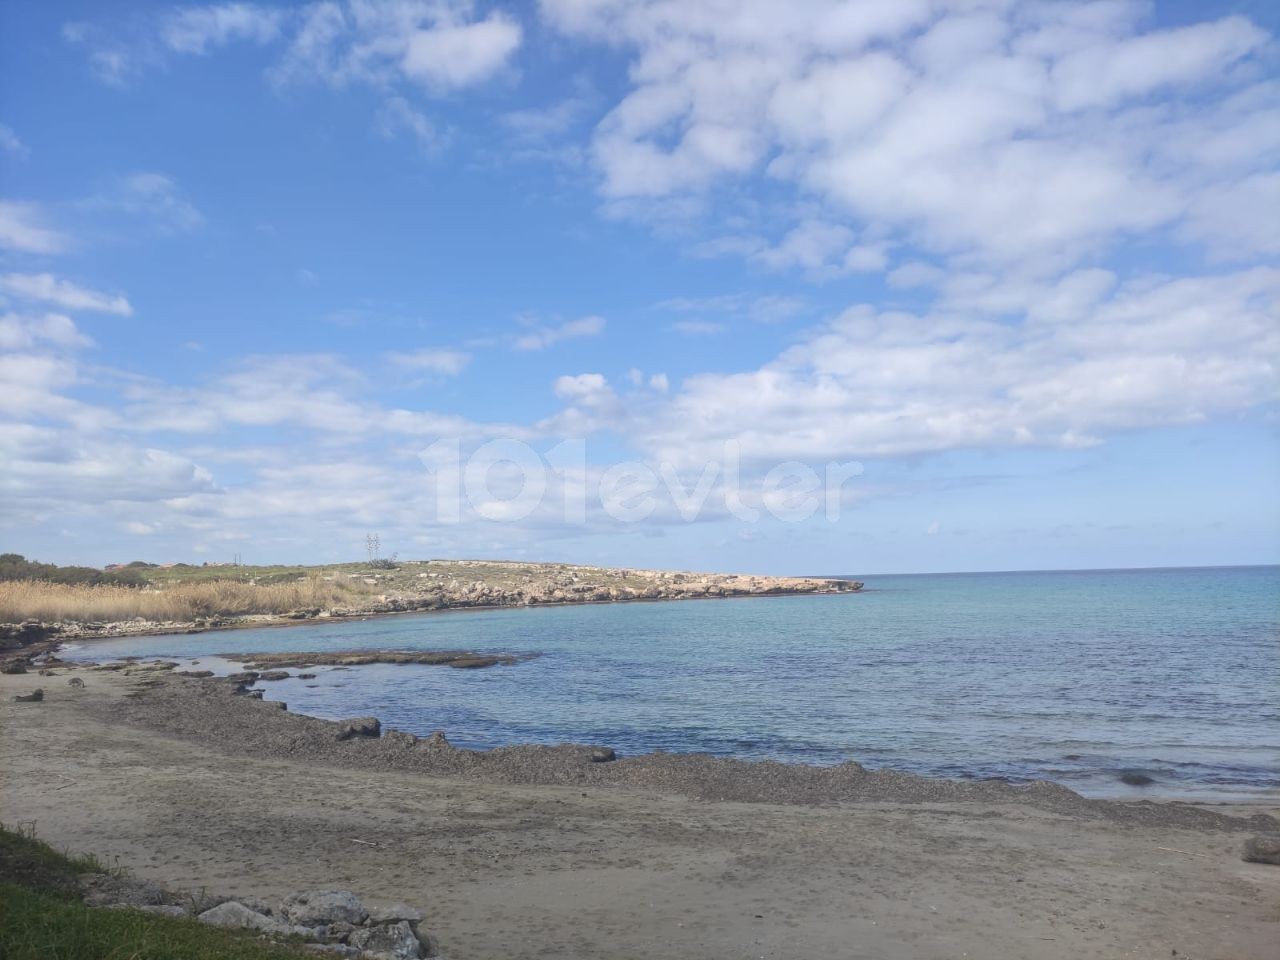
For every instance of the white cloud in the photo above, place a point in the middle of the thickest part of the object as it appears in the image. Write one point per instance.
(986, 132)
(46, 288)
(22, 229)
(447, 363)
(197, 29)
(458, 55)
(1083, 363)
(439, 45)
(19, 332)
(539, 338)
(10, 143)
(398, 116)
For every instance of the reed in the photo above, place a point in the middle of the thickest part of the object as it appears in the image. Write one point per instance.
(49, 602)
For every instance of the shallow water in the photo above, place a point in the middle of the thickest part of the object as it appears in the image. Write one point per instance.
(1072, 677)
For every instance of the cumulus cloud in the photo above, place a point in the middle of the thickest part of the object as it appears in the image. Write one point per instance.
(46, 288)
(978, 130)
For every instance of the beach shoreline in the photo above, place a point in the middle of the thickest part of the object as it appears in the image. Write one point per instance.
(539, 852)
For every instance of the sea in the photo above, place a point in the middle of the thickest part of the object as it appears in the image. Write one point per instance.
(1079, 677)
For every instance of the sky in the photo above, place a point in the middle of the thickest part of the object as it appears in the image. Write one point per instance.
(814, 287)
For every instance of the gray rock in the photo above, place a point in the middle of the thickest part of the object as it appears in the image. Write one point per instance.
(359, 727)
(1262, 850)
(237, 916)
(1136, 778)
(394, 912)
(316, 907)
(273, 675)
(333, 950)
(390, 941)
(337, 932)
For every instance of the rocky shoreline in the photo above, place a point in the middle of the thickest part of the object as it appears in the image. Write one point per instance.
(431, 586)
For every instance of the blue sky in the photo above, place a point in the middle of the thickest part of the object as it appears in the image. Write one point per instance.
(1017, 262)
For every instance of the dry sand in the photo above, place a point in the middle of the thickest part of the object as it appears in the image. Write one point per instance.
(623, 859)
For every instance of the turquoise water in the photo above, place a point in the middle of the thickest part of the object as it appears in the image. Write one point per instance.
(1070, 676)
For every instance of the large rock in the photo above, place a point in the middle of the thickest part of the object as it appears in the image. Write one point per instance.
(237, 916)
(1262, 850)
(359, 727)
(389, 941)
(316, 907)
(395, 912)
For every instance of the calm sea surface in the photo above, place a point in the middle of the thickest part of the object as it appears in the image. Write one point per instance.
(1073, 677)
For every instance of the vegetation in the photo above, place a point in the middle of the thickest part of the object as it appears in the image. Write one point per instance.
(49, 602)
(14, 566)
(41, 917)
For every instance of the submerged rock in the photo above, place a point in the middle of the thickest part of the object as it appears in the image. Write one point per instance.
(1135, 779)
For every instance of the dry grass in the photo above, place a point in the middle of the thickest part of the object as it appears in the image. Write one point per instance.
(48, 602)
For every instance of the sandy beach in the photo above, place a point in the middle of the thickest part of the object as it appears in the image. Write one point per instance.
(622, 859)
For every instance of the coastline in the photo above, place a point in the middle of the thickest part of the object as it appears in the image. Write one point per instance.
(31, 638)
(541, 851)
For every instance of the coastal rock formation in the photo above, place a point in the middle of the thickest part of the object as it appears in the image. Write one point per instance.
(359, 727)
(426, 585)
(360, 658)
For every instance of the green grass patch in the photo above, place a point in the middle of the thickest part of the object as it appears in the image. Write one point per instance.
(30, 862)
(42, 918)
(41, 926)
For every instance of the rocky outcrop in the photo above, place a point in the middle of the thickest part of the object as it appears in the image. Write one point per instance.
(329, 922)
(360, 658)
(359, 727)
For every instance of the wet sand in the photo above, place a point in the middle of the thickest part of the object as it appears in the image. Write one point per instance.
(541, 853)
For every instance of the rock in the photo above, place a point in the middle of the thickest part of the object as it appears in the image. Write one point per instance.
(359, 727)
(1135, 779)
(395, 912)
(236, 916)
(35, 696)
(316, 907)
(244, 676)
(390, 941)
(438, 739)
(13, 666)
(306, 676)
(333, 950)
(195, 674)
(273, 675)
(1262, 850)
(603, 755)
(337, 932)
